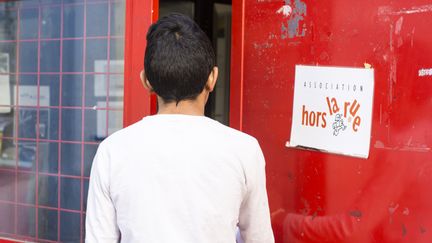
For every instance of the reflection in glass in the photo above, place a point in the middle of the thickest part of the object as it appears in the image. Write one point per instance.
(51, 19)
(7, 190)
(117, 18)
(26, 188)
(50, 97)
(116, 86)
(29, 23)
(26, 224)
(28, 56)
(49, 123)
(8, 21)
(47, 222)
(47, 190)
(96, 120)
(27, 155)
(96, 90)
(43, 121)
(70, 227)
(71, 159)
(89, 153)
(7, 58)
(115, 121)
(73, 20)
(117, 53)
(27, 123)
(48, 157)
(52, 84)
(71, 125)
(70, 193)
(27, 90)
(72, 55)
(96, 55)
(86, 187)
(97, 19)
(7, 151)
(72, 90)
(7, 211)
(50, 56)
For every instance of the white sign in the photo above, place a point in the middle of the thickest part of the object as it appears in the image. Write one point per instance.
(116, 83)
(5, 92)
(28, 95)
(115, 121)
(332, 109)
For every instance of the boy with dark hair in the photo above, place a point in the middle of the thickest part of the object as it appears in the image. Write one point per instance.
(178, 177)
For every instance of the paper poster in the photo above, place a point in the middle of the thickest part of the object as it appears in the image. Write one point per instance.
(114, 122)
(332, 109)
(28, 95)
(5, 92)
(116, 83)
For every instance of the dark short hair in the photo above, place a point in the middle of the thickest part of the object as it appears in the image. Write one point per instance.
(179, 58)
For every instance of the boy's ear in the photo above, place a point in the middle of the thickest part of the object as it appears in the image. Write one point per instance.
(145, 81)
(212, 79)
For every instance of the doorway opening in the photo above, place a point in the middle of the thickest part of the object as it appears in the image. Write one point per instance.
(214, 17)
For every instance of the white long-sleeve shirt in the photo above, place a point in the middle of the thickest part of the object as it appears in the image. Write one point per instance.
(178, 179)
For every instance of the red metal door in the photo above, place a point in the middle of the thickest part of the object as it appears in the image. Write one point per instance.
(139, 16)
(318, 197)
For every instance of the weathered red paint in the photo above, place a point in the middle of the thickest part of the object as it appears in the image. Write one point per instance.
(139, 16)
(319, 197)
(8, 241)
(237, 61)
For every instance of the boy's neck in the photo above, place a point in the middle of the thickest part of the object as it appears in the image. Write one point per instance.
(184, 107)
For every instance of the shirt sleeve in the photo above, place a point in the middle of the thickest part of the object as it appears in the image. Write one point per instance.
(101, 225)
(254, 218)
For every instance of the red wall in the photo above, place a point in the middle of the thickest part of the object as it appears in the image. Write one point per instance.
(7, 241)
(137, 102)
(318, 197)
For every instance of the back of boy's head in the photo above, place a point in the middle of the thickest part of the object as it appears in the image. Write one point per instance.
(178, 59)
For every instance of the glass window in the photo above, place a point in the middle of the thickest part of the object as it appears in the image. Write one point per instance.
(99, 118)
(50, 56)
(8, 21)
(48, 157)
(47, 222)
(89, 153)
(48, 191)
(7, 211)
(97, 19)
(50, 22)
(26, 191)
(28, 58)
(71, 125)
(70, 227)
(49, 123)
(72, 90)
(96, 54)
(71, 159)
(29, 23)
(61, 93)
(72, 56)
(73, 21)
(51, 86)
(7, 192)
(96, 91)
(26, 223)
(27, 123)
(70, 193)
(117, 18)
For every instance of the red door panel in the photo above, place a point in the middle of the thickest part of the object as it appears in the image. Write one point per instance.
(319, 197)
